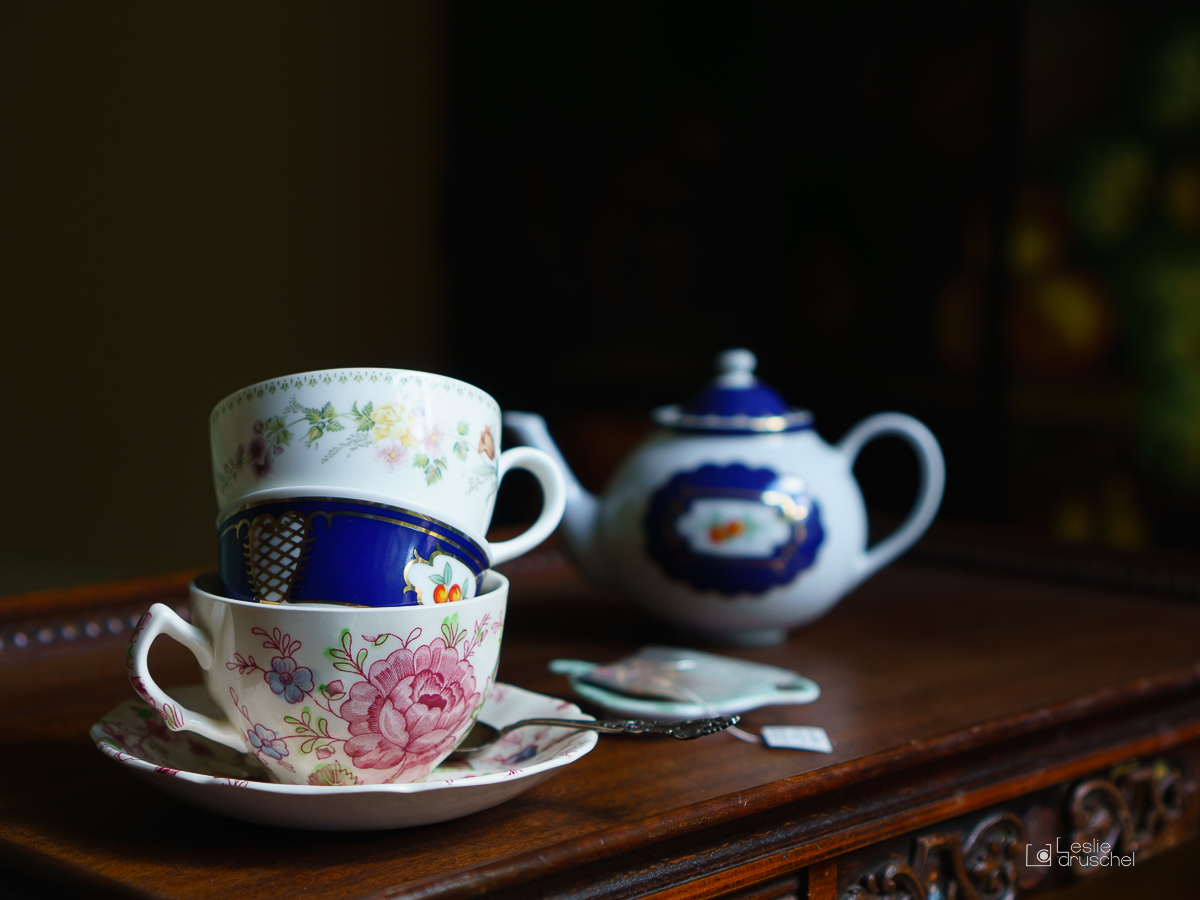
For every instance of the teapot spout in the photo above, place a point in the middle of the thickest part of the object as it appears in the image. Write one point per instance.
(580, 521)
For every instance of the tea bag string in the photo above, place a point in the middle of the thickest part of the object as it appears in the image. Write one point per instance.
(712, 714)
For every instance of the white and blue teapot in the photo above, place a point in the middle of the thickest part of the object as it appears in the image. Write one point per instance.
(734, 518)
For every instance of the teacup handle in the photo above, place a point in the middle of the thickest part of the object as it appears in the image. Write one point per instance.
(929, 496)
(161, 619)
(554, 500)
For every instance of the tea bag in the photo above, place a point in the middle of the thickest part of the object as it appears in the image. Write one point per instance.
(674, 673)
(678, 683)
(797, 737)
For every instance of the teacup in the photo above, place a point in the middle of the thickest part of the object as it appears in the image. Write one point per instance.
(420, 442)
(330, 695)
(345, 551)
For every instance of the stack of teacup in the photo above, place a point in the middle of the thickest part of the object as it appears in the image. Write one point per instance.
(352, 633)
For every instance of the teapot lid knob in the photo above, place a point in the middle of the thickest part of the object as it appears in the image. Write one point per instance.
(735, 368)
(735, 402)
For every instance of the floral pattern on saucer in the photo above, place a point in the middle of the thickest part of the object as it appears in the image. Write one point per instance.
(134, 731)
(200, 771)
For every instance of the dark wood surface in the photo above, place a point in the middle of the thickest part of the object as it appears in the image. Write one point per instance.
(943, 690)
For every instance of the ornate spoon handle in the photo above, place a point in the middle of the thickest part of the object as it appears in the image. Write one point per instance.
(684, 731)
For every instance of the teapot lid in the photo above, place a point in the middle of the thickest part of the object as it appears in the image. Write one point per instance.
(735, 402)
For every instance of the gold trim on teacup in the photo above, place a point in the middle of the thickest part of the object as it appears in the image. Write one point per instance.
(345, 512)
(284, 582)
(271, 576)
(398, 509)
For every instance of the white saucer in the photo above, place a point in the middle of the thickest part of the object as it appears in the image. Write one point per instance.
(214, 777)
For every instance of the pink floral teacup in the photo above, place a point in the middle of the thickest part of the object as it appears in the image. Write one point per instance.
(329, 695)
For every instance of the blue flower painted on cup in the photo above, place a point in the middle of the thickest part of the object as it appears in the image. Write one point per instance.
(266, 741)
(286, 678)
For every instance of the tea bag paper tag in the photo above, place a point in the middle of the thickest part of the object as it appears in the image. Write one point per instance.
(797, 737)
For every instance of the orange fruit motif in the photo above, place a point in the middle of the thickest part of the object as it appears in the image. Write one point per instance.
(720, 533)
(446, 591)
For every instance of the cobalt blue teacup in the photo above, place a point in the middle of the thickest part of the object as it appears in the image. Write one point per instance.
(327, 549)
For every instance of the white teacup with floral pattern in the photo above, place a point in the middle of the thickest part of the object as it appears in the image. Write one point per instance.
(423, 442)
(330, 695)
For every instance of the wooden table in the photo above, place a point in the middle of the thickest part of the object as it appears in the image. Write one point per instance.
(971, 714)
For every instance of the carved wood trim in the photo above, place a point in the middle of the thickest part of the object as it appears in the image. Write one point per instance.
(982, 866)
(1131, 808)
(867, 824)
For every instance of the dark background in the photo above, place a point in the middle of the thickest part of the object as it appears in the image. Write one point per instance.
(644, 185)
(194, 198)
(985, 215)
(895, 207)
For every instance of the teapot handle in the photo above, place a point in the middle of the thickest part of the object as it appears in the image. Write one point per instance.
(929, 497)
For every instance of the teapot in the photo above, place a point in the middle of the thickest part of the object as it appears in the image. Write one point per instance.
(734, 519)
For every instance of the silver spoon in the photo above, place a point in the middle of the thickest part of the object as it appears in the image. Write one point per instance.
(483, 736)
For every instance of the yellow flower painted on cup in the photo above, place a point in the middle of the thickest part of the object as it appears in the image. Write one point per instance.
(392, 423)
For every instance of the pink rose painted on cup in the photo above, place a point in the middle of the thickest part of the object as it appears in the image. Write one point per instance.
(410, 710)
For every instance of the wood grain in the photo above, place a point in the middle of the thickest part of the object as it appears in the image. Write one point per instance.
(942, 690)
(822, 880)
